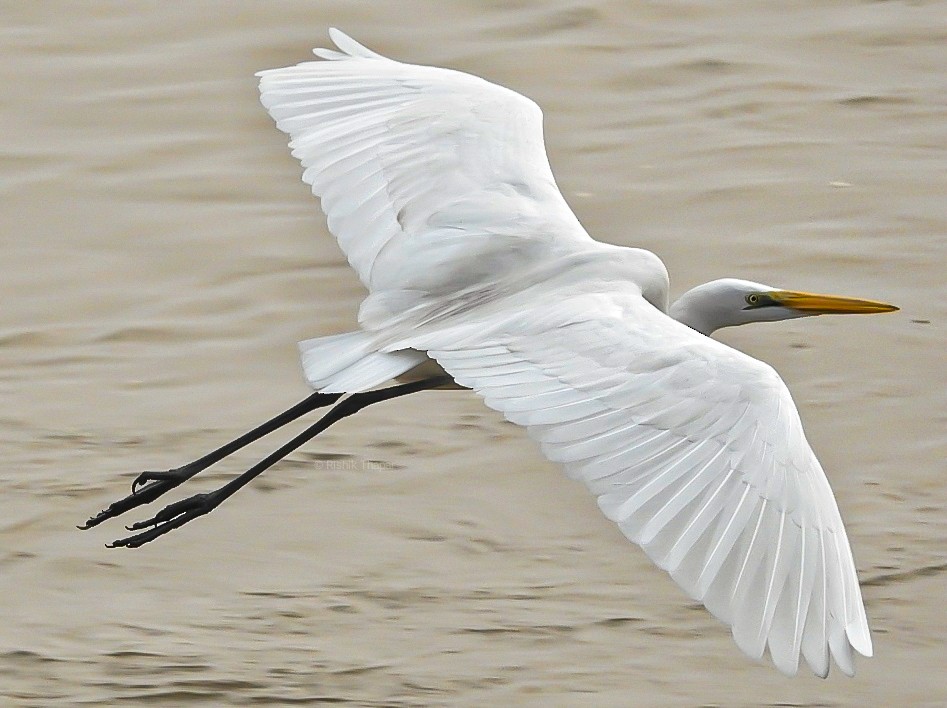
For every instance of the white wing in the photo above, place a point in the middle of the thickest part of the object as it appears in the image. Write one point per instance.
(431, 179)
(694, 449)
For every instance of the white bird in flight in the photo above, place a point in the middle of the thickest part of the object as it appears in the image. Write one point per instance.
(437, 186)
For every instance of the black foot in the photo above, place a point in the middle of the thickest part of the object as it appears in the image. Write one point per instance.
(147, 487)
(169, 518)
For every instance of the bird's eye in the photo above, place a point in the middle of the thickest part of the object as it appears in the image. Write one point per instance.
(752, 299)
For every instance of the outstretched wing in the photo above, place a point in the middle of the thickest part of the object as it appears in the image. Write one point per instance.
(431, 179)
(694, 449)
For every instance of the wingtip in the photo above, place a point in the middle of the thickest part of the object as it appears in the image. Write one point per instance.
(789, 669)
(859, 636)
(351, 47)
(748, 643)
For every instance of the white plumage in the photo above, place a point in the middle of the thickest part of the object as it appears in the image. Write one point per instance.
(437, 186)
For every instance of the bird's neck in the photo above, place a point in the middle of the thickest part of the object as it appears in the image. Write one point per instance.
(702, 309)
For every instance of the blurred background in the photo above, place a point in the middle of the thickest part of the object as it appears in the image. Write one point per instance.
(160, 258)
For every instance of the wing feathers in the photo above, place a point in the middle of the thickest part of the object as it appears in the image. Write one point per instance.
(351, 47)
(429, 150)
(707, 470)
(681, 498)
(438, 189)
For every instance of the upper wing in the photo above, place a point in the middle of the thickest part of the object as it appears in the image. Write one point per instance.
(696, 451)
(431, 179)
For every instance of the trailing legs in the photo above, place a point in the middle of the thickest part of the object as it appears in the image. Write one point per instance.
(179, 513)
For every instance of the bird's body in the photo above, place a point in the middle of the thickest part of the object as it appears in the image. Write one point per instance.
(437, 187)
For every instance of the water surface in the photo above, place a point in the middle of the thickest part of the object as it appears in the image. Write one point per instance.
(161, 257)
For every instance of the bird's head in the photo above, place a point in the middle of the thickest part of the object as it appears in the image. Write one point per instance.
(729, 302)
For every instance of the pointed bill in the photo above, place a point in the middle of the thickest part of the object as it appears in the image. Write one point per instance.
(812, 303)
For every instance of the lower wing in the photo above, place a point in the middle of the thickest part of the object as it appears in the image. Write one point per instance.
(694, 449)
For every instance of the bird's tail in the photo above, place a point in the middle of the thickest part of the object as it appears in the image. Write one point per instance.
(351, 362)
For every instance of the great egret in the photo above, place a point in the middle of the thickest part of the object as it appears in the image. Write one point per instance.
(437, 186)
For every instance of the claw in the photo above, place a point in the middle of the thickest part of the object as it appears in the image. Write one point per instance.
(138, 525)
(145, 477)
(169, 512)
(147, 487)
(171, 517)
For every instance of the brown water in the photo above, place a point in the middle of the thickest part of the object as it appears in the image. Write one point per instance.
(160, 258)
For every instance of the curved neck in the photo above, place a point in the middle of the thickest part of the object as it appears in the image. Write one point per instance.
(689, 311)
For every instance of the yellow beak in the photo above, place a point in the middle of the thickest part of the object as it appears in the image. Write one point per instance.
(814, 304)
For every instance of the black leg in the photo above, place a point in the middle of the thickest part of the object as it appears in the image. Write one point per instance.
(179, 513)
(148, 486)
